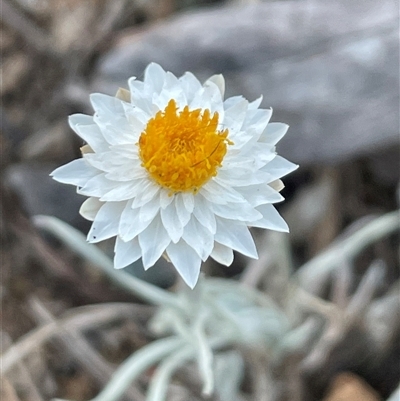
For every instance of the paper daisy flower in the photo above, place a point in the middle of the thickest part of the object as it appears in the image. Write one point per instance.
(173, 169)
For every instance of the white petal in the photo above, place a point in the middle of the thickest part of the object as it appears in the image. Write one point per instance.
(140, 98)
(181, 209)
(199, 238)
(147, 192)
(237, 164)
(186, 261)
(222, 254)
(150, 209)
(237, 236)
(137, 119)
(231, 101)
(106, 223)
(240, 178)
(89, 208)
(274, 133)
(204, 214)
(256, 121)
(78, 172)
(126, 152)
(135, 85)
(235, 115)
(257, 117)
(214, 100)
(113, 162)
(219, 81)
(110, 117)
(80, 119)
(255, 104)
(200, 100)
(279, 167)
(259, 194)
(165, 198)
(106, 104)
(271, 219)
(154, 77)
(209, 97)
(188, 200)
(217, 192)
(237, 211)
(131, 223)
(97, 160)
(127, 172)
(262, 153)
(239, 139)
(97, 186)
(190, 85)
(123, 191)
(126, 252)
(153, 242)
(172, 223)
(212, 196)
(86, 128)
(172, 89)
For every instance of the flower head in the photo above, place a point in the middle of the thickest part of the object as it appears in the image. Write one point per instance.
(172, 168)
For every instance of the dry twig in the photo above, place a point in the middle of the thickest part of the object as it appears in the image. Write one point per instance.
(80, 349)
(31, 33)
(81, 318)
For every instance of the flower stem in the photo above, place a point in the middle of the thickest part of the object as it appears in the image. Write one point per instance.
(348, 248)
(75, 240)
(163, 374)
(135, 365)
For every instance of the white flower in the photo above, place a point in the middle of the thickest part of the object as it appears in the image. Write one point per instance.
(172, 168)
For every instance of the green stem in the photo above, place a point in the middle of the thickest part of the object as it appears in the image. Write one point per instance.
(348, 248)
(162, 377)
(135, 365)
(159, 385)
(204, 353)
(75, 240)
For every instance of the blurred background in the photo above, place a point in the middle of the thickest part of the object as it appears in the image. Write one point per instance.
(330, 69)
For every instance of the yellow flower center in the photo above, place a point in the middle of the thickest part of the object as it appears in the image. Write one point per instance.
(182, 150)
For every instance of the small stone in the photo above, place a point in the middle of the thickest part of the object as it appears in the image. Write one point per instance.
(350, 387)
(40, 194)
(328, 69)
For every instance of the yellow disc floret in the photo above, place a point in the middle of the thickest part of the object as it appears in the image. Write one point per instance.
(182, 150)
